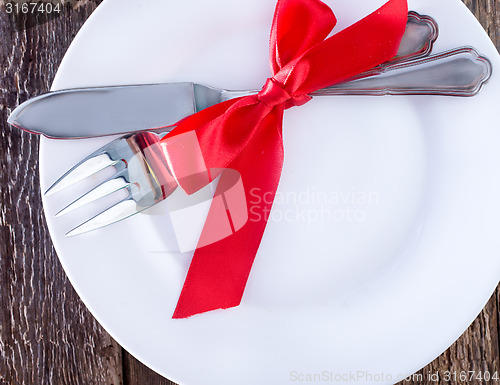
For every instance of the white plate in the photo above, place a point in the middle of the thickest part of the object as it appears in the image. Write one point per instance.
(404, 254)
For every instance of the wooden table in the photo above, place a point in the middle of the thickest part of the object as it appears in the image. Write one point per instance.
(47, 336)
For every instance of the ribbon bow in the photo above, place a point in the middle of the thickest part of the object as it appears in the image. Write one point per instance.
(245, 134)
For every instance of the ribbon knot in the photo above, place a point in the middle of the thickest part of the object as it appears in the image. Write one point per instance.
(273, 93)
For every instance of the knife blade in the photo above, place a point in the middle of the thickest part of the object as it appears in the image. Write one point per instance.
(86, 112)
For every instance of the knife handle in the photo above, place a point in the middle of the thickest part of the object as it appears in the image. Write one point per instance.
(459, 72)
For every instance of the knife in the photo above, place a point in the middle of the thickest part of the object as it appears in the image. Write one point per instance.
(90, 112)
(100, 111)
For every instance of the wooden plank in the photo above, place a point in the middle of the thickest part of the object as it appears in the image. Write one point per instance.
(135, 373)
(47, 336)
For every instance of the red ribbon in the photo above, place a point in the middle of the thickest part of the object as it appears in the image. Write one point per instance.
(244, 134)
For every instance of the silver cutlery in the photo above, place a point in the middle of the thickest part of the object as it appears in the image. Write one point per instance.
(100, 111)
(104, 111)
(140, 165)
(142, 171)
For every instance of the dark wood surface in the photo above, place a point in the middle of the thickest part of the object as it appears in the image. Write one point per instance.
(47, 336)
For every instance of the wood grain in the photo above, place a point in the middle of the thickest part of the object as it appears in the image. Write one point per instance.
(488, 14)
(47, 336)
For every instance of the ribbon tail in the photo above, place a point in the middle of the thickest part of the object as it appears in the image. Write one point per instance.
(219, 271)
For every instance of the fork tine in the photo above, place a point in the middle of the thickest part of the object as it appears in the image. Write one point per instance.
(89, 166)
(115, 183)
(122, 210)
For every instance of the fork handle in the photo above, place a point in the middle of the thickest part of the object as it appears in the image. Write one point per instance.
(417, 42)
